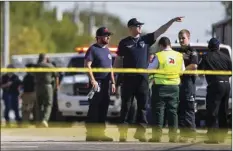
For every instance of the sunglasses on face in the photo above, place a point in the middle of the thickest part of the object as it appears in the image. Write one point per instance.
(137, 26)
(104, 36)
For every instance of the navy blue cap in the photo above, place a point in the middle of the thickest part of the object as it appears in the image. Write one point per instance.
(103, 31)
(134, 22)
(214, 43)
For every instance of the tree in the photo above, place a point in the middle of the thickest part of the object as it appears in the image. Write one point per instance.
(1, 31)
(26, 40)
(228, 8)
(28, 30)
(63, 34)
(35, 29)
(114, 24)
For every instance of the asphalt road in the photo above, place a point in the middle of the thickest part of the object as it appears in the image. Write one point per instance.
(66, 140)
(74, 145)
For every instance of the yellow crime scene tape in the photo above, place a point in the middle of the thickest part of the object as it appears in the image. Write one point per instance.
(116, 70)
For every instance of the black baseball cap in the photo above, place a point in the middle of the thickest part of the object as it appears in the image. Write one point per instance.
(214, 43)
(134, 22)
(103, 31)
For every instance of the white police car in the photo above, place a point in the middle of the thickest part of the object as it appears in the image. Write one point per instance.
(74, 88)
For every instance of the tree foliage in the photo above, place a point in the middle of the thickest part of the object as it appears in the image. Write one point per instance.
(34, 29)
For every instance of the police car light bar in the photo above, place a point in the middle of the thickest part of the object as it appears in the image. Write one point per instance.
(84, 49)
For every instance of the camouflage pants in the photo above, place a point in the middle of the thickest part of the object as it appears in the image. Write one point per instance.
(44, 103)
(28, 104)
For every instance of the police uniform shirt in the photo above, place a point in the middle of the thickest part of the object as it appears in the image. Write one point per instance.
(216, 60)
(29, 83)
(100, 58)
(13, 88)
(190, 57)
(135, 51)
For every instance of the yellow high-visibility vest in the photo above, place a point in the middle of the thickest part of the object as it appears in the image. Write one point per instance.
(171, 62)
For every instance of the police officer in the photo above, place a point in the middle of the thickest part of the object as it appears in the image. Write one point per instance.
(10, 83)
(134, 51)
(165, 90)
(218, 91)
(44, 91)
(28, 96)
(186, 109)
(99, 56)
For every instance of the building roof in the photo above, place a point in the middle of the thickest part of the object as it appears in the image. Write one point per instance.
(222, 22)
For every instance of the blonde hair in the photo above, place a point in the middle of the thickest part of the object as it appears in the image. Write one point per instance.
(184, 31)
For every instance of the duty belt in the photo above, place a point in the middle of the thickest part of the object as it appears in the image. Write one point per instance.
(218, 82)
(223, 81)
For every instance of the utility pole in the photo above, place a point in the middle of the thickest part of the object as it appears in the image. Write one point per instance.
(59, 14)
(105, 17)
(77, 20)
(76, 13)
(91, 19)
(6, 33)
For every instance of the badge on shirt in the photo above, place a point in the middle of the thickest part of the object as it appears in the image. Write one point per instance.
(142, 44)
(109, 57)
(129, 46)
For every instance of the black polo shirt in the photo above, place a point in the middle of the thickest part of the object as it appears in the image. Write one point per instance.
(100, 58)
(29, 83)
(14, 87)
(216, 60)
(190, 56)
(135, 51)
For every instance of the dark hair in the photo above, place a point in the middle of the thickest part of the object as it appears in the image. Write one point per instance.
(184, 31)
(29, 65)
(41, 57)
(164, 41)
(54, 63)
(214, 44)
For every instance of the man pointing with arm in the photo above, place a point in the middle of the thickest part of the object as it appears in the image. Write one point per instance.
(134, 51)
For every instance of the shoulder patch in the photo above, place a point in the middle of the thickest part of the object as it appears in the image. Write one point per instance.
(129, 46)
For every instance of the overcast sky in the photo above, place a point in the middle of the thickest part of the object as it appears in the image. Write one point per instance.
(199, 16)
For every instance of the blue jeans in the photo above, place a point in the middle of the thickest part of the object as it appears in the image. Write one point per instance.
(11, 101)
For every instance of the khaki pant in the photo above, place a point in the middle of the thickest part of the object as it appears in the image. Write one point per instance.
(29, 100)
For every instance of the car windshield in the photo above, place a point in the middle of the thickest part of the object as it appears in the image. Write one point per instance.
(78, 62)
(60, 61)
